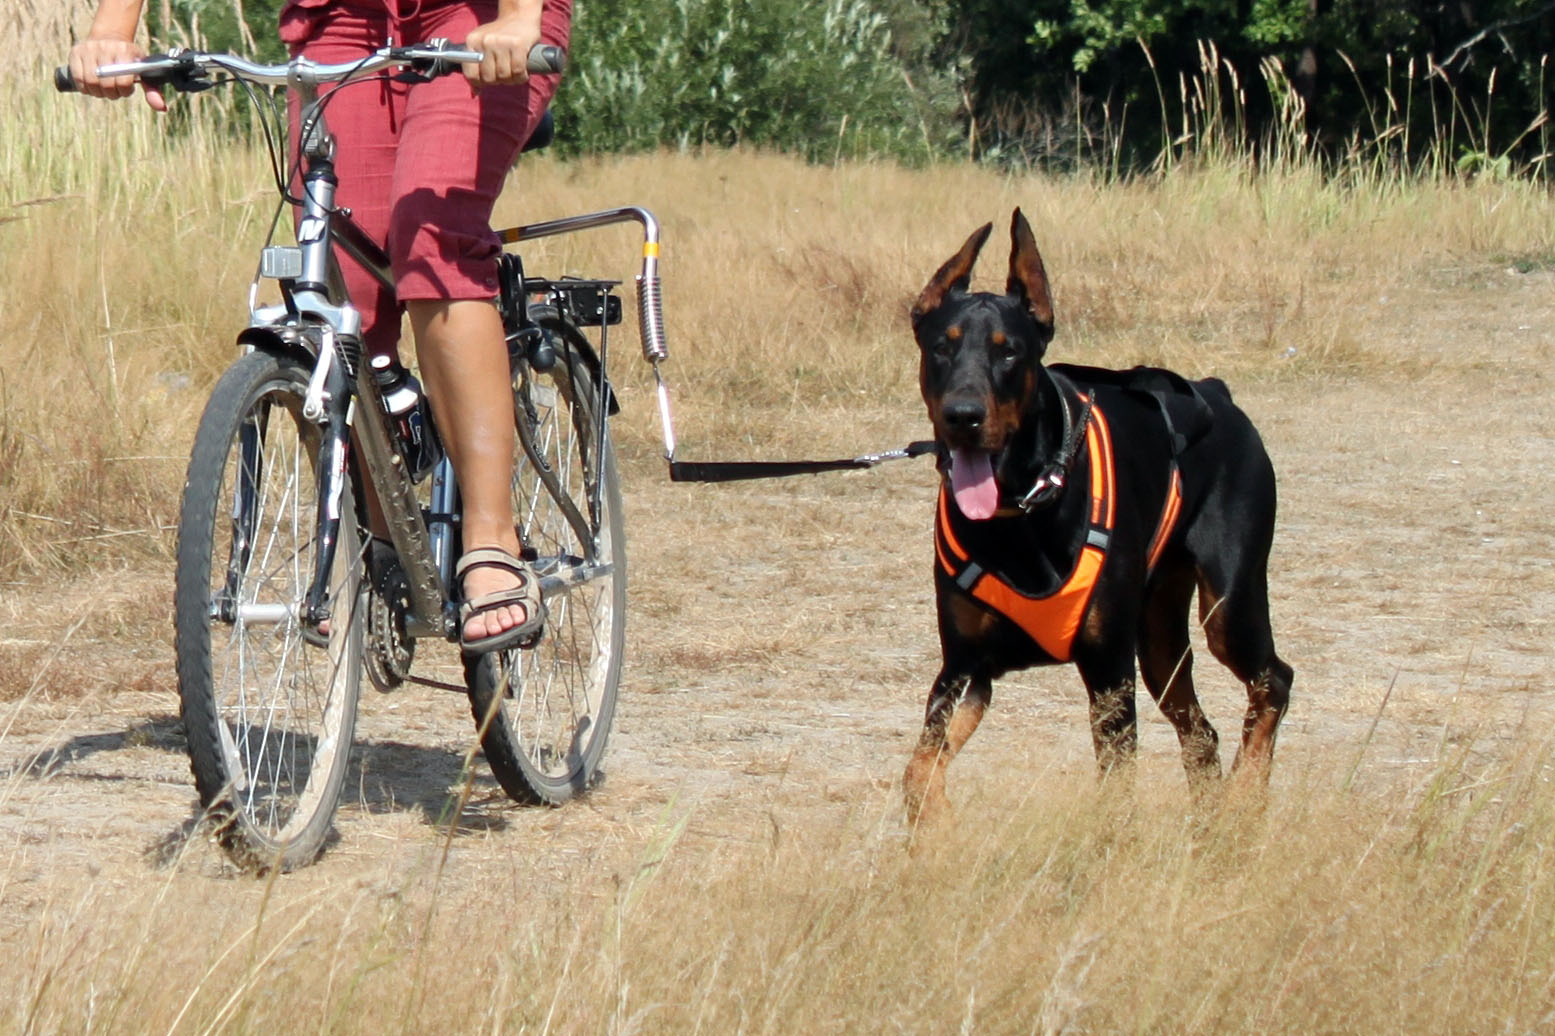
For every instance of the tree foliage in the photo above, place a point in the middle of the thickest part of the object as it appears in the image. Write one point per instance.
(1048, 81)
(244, 26)
(1419, 68)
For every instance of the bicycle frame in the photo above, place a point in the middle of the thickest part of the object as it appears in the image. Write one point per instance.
(315, 317)
(314, 307)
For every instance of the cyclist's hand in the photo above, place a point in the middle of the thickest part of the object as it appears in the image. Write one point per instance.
(505, 41)
(88, 55)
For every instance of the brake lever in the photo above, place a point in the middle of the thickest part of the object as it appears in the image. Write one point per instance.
(183, 80)
(186, 77)
(544, 58)
(424, 70)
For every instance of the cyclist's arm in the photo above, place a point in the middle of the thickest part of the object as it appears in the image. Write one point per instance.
(111, 40)
(505, 41)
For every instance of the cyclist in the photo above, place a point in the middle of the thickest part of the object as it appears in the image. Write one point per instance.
(421, 169)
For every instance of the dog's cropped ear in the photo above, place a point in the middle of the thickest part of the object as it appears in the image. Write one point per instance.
(955, 275)
(1028, 278)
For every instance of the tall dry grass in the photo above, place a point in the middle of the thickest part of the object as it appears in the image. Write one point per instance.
(36, 32)
(1423, 908)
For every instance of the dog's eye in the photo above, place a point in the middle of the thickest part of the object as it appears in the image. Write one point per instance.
(1008, 352)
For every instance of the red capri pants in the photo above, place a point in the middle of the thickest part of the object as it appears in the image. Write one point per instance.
(420, 166)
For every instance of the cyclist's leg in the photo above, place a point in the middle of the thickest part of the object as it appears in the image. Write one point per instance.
(464, 365)
(458, 149)
(365, 120)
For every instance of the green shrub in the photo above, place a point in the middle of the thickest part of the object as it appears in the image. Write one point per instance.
(821, 78)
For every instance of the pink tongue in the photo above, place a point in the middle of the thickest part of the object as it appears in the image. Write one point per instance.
(971, 480)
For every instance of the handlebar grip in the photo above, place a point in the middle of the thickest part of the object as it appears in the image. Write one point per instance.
(546, 58)
(64, 82)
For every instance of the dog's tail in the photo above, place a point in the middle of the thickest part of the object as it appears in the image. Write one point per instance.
(1215, 385)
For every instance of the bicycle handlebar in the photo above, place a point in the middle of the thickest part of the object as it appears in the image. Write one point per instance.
(187, 69)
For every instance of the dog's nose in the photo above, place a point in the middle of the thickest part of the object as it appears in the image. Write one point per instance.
(964, 414)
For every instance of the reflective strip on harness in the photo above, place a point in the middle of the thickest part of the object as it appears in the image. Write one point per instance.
(1169, 512)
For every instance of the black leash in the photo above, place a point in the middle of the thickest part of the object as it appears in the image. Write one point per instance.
(741, 470)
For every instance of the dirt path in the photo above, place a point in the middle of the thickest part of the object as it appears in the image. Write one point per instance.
(781, 640)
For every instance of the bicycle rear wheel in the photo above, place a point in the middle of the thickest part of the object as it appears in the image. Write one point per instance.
(545, 713)
(268, 702)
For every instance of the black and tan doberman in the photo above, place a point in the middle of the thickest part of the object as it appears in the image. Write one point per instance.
(1080, 509)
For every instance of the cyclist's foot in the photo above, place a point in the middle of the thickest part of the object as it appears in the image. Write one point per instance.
(502, 605)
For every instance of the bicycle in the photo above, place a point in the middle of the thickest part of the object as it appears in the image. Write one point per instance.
(283, 597)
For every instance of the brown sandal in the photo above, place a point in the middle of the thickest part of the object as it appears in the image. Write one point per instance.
(525, 595)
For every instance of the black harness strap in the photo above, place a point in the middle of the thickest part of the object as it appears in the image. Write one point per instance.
(741, 470)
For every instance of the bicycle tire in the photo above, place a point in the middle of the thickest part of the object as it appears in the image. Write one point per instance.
(268, 710)
(545, 712)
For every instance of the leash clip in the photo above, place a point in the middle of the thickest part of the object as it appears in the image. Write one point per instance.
(1046, 489)
(1055, 476)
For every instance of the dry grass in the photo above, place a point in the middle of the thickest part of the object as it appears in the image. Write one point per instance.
(35, 32)
(1415, 899)
(1415, 909)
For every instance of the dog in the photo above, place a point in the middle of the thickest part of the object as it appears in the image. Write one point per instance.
(1079, 509)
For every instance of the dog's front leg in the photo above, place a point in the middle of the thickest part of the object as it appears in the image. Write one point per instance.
(956, 706)
(1114, 730)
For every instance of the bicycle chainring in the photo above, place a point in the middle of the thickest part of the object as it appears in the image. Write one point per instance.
(390, 651)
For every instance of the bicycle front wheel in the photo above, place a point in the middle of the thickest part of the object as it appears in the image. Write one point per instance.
(545, 712)
(268, 699)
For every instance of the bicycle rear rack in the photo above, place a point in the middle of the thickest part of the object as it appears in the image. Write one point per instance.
(650, 300)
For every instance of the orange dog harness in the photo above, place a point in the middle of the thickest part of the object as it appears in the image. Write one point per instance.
(1053, 620)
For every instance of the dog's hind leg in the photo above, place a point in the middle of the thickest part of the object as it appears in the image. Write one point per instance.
(1236, 625)
(956, 706)
(1166, 664)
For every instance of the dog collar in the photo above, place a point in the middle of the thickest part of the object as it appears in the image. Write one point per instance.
(1054, 476)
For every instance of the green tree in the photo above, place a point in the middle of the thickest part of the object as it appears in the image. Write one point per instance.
(1040, 64)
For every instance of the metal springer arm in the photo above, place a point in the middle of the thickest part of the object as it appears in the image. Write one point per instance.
(650, 311)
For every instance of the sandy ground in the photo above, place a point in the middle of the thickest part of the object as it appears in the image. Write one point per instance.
(781, 640)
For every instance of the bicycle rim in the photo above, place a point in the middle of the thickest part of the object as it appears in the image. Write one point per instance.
(546, 711)
(269, 704)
